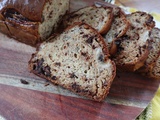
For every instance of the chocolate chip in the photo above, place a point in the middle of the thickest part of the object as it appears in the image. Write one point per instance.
(50, 14)
(93, 47)
(24, 82)
(85, 36)
(76, 87)
(126, 37)
(75, 55)
(149, 21)
(116, 34)
(46, 71)
(72, 75)
(144, 46)
(83, 53)
(101, 58)
(74, 15)
(81, 32)
(58, 64)
(54, 78)
(142, 14)
(38, 66)
(85, 71)
(40, 62)
(138, 21)
(90, 40)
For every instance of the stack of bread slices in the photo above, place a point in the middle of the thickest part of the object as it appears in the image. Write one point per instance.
(81, 60)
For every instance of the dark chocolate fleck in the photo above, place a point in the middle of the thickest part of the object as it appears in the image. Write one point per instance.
(46, 71)
(149, 21)
(144, 46)
(83, 53)
(81, 32)
(76, 87)
(72, 75)
(85, 36)
(58, 64)
(75, 55)
(38, 66)
(74, 15)
(101, 58)
(90, 40)
(54, 78)
(93, 47)
(24, 82)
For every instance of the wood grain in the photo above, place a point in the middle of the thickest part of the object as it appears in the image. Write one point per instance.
(23, 104)
(130, 93)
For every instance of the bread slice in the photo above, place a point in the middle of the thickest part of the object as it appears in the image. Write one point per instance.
(119, 27)
(154, 52)
(155, 73)
(33, 21)
(133, 46)
(77, 60)
(99, 18)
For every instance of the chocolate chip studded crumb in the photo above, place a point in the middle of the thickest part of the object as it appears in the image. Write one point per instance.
(24, 82)
(79, 66)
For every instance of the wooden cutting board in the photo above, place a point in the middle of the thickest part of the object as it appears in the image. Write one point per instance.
(24, 96)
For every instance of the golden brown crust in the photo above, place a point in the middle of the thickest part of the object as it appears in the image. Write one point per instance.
(108, 24)
(122, 15)
(134, 66)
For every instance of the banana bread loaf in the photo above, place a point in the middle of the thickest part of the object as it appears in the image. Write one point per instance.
(31, 21)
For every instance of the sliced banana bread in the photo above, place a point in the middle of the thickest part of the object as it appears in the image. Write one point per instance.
(155, 73)
(133, 46)
(118, 28)
(154, 45)
(99, 18)
(77, 60)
